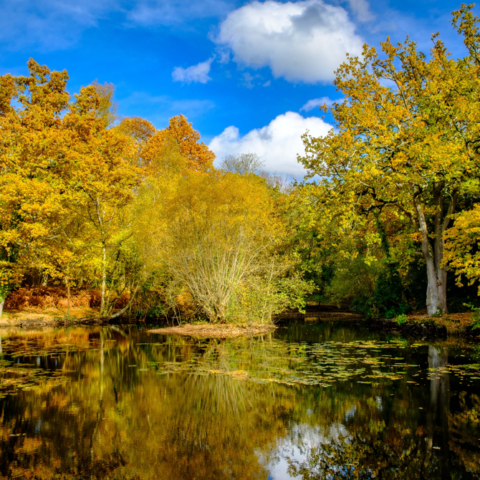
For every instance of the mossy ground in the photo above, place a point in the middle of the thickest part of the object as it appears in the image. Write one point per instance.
(455, 323)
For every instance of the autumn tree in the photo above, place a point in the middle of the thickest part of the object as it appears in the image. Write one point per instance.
(181, 133)
(463, 246)
(105, 180)
(404, 144)
(35, 160)
(63, 163)
(216, 238)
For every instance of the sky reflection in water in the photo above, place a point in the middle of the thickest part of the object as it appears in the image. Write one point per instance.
(309, 401)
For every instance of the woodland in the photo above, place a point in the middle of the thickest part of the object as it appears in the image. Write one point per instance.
(143, 224)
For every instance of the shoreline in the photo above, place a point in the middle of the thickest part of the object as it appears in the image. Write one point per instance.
(32, 318)
(216, 331)
(417, 326)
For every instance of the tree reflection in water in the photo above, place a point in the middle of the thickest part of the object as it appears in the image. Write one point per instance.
(393, 443)
(120, 417)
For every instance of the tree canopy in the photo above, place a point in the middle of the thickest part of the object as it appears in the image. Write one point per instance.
(404, 147)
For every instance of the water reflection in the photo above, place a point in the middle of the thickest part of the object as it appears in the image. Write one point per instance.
(439, 406)
(120, 416)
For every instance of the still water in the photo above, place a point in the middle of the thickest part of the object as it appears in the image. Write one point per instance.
(322, 401)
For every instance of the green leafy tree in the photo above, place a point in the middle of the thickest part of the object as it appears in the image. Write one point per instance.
(405, 142)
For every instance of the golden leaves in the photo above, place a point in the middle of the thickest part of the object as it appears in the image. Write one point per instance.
(180, 134)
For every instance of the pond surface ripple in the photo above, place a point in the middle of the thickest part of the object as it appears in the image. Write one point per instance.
(319, 401)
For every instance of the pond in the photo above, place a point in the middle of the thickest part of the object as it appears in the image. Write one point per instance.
(319, 401)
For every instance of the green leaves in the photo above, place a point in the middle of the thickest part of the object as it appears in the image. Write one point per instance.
(401, 155)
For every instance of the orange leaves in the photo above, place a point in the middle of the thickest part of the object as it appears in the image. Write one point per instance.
(198, 154)
(58, 157)
(140, 129)
(181, 133)
(160, 149)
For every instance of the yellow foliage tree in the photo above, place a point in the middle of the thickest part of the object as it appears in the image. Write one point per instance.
(405, 144)
(59, 158)
(462, 247)
(105, 181)
(181, 133)
(216, 238)
(36, 160)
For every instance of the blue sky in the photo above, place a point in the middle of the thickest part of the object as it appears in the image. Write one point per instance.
(246, 74)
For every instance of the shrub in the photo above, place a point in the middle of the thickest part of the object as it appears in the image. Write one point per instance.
(475, 314)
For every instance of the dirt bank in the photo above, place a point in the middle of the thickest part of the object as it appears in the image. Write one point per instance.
(49, 306)
(216, 331)
(49, 317)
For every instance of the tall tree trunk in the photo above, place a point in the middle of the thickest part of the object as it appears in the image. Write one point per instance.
(435, 301)
(438, 245)
(2, 303)
(104, 279)
(433, 254)
(104, 258)
(67, 283)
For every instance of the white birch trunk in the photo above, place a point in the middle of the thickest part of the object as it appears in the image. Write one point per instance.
(434, 297)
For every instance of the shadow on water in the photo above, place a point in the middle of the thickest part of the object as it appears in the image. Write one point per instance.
(319, 401)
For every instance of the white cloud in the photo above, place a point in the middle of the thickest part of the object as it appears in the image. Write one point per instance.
(277, 144)
(361, 9)
(317, 102)
(248, 80)
(302, 41)
(224, 54)
(196, 73)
